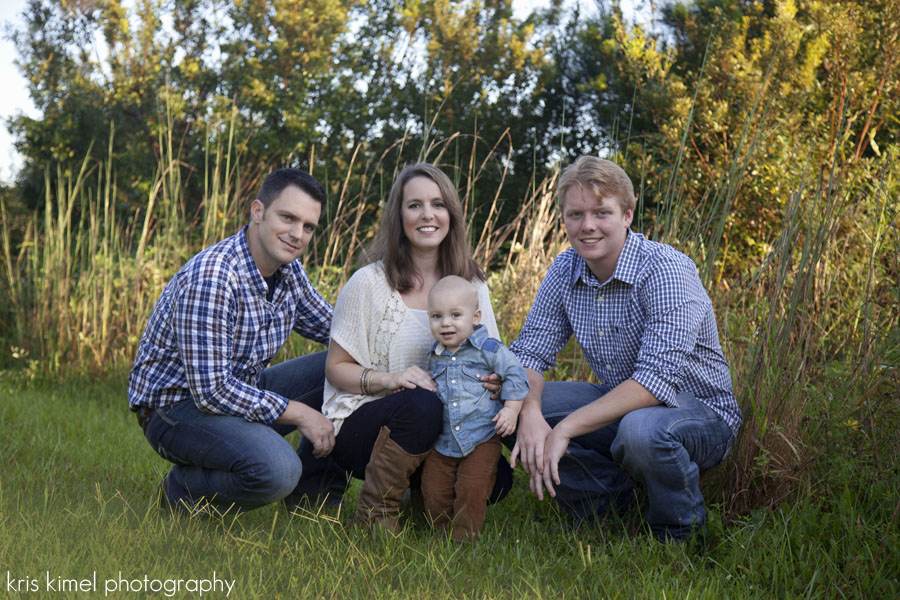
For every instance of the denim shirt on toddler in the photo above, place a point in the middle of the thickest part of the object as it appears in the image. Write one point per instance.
(468, 406)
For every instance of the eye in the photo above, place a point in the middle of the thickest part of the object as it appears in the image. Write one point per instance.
(413, 205)
(456, 315)
(574, 215)
(309, 228)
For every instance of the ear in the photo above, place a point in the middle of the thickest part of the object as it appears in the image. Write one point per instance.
(476, 317)
(257, 208)
(628, 216)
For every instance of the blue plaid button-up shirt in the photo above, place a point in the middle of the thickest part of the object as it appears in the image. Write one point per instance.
(212, 332)
(652, 321)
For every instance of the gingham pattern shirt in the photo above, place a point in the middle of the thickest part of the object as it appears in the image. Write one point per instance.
(652, 321)
(213, 332)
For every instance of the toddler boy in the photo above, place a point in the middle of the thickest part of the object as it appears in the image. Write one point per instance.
(459, 473)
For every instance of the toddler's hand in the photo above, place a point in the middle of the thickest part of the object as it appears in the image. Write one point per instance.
(505, 421)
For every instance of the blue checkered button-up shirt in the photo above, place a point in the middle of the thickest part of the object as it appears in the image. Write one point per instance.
(652, 321)
(213, 332)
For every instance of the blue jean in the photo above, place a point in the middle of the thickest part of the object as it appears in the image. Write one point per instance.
(663, 448)
(228, 461)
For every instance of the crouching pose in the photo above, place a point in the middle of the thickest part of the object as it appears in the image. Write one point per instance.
(663, 409)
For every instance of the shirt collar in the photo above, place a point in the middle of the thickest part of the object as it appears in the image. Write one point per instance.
(626, 267)
(476, 340)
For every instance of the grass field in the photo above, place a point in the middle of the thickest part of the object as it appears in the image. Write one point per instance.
(75, 504)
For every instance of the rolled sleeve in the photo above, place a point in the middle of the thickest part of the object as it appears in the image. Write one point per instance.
(314, 313)
(547, 327)
(515, 380)
(675, 304)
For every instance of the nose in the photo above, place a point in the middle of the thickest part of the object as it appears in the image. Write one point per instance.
(589, 222)
(427, 212)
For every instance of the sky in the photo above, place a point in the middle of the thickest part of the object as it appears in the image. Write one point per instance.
(14, 98)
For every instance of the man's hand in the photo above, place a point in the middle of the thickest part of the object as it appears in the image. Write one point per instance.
(492, 383)
(530, 441)
(555, 447)
(312, 424)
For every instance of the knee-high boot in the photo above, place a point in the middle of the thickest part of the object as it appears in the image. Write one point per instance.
(387, 477)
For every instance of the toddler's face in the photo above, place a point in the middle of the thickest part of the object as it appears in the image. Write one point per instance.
(453, 317)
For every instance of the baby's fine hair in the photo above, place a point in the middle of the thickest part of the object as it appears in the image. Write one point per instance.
(450, 284)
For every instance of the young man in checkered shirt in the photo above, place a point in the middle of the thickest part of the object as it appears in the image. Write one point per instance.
(200, 385)
(662, 409)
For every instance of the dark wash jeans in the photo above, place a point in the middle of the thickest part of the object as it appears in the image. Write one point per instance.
(228, 461)
(665, 449)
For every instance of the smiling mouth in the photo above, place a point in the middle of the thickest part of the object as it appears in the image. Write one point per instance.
(290, 245)
(428, 229)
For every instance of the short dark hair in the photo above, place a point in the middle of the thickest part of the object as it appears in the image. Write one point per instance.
(279, 179)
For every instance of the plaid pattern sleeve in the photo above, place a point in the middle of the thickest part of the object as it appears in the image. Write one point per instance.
(213, 331)
(547, 327)
(313, 320)
(652, 321)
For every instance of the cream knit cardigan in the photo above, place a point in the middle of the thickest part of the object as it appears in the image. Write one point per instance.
(375, 327)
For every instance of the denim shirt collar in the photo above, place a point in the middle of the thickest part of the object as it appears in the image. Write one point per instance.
(476, 340)
(627, 267)
(249, 269)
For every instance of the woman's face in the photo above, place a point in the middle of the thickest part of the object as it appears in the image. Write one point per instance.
(426, 220)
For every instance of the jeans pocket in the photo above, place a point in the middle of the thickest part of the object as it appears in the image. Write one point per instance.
(160, 428)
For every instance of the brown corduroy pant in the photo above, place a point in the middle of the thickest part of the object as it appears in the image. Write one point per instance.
(456, 490)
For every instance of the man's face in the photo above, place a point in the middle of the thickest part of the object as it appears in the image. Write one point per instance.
(597, 228)
(284, 229)
(453, 317)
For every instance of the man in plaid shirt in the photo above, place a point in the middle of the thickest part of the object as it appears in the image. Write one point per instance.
(199, 385)
(662, 409)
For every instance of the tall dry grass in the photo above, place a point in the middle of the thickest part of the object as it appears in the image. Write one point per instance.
(81, 283)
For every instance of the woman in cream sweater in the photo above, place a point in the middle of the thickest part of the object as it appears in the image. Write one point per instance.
(378, 392)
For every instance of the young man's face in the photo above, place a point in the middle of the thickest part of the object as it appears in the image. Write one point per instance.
(284, 229)
(453, 317)
(597, 228)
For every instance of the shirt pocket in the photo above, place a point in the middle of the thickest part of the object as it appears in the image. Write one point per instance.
(471, 380)
(628, 333)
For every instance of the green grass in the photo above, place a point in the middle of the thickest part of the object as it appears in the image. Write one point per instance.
(76, 486)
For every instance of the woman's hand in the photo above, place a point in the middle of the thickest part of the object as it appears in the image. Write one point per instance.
(410, 378)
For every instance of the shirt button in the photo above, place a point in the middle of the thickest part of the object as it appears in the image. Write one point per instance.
(452, 358)
(454, 404)
(457, 427)
(600, 333)
(452, 381)
(599, 298)
(609, 367)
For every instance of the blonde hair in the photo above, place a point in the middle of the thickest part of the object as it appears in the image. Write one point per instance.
(452, 284)
(603, 177)
(393, 248)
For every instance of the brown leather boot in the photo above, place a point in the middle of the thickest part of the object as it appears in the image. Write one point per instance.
(387, 477)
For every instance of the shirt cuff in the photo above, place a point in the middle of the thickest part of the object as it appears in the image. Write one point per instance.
(661, 389)
(268, 409)
(513, 391)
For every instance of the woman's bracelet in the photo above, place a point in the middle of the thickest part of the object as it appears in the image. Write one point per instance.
(364, 381)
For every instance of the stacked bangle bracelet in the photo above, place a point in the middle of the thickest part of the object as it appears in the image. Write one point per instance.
(364, 381)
